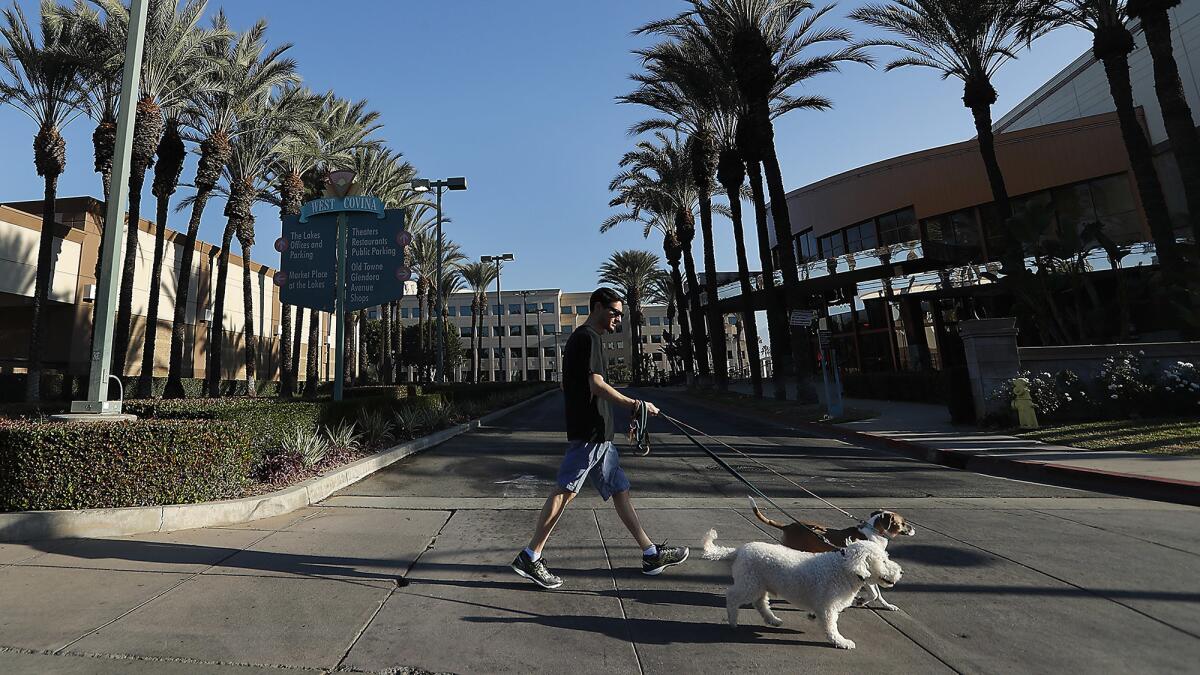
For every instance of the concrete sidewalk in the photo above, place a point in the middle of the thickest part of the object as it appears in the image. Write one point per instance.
(924, 431)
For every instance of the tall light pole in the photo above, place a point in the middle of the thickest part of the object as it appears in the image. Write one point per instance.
(421, 185)
(500, 307)
(110, 247)
(525, 337)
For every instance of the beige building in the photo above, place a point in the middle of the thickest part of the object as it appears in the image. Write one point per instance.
(77, 243)
(533, 326)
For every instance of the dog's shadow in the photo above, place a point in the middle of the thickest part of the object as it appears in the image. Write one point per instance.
(657, 631)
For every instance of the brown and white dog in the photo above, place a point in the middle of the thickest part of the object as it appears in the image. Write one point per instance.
(880, 527)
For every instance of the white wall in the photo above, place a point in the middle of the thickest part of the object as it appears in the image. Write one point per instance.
(18, 263)
(1082, 89)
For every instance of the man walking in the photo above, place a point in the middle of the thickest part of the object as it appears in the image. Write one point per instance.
(589, 400)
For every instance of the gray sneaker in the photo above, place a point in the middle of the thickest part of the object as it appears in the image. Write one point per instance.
(666, 557)
(535, 571)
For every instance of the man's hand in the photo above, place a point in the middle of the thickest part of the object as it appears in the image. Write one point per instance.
(651, 408)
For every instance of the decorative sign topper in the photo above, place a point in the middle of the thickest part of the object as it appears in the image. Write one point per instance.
(334, 205)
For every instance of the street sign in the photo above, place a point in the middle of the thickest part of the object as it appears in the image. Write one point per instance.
(308, 263)
(824, 336)
(802, 317)
(375, 271)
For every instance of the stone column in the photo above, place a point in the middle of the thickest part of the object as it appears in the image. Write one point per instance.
(992, 359)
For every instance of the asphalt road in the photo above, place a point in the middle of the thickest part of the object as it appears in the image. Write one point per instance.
(408, 569)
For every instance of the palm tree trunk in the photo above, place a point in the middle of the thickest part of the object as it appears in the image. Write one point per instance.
(214, 152)
(246, 242)
(171, 154)
(702, 177)
(731, 172)
(1176, 113)
(1111, 50)
(216, 344)
(103, 145)
(348, 347)
(777, 319)
(148, 128)
(385, 348)
(285, 352)
(362, 345)
(685, 333)
(396, 353)
(51, 159)
(312, 368)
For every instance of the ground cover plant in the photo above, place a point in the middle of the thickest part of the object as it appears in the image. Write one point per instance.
(192, 450)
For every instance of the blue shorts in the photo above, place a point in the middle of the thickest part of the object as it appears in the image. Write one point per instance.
(598, 459)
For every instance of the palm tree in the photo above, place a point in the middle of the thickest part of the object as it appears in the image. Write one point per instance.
(968, 40)
(1176, 113)
(684, 82)
(477, 275)
(243, 76)
(665, 169)
(425, 264)
(661, 292)
(651, 199)
(43, 81)
(257, 141)
(1112, 44)
(176, 61)
(764, 44)
(633, 272)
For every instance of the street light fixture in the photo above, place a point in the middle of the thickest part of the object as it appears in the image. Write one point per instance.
(499, 306)
(424, 185)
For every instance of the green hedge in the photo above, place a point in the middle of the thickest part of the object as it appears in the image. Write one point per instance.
(57, 386)
(923, 387)
(267, 420)
(108, 465)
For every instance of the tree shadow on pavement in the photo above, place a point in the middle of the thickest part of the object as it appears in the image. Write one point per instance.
(656, 631)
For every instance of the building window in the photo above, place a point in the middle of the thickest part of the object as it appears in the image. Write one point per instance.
(548, 307)
(655, 321)
(899, 227)
(861, 237)
(514, 352)
(464, 331)
(496, 353)
(452, 311)
(567, 309)
(514, 330)
(403, 312)
(548, 352)
(514, 309)
(531, 330)
(733, 319)
(832, 245)
(581, 310)
(497, 310)
(485, 331)
(531, 308)
(547, 329)
(656, 339)
(729, 354)
(464, 310)
(806, 247)
(566, 328)
(956, 229)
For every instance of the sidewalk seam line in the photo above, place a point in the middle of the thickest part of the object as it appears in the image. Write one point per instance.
(1115, 532)
(617, 592)
(1089, 591)
(156, 596)
(392, 591)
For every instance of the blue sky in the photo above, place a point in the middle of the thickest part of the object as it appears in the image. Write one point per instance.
(519, 98)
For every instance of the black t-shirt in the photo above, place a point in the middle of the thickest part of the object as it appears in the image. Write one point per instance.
(589, 418)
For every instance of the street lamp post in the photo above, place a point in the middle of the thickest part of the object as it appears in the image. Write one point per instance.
(499, 307)
(421, 185)
(525, 337)
(110, 247)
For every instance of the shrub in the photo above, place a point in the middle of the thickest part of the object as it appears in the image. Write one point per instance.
(342, 441)
(376, 427)
(1181, 386)
(1123, 384)
(52, 465)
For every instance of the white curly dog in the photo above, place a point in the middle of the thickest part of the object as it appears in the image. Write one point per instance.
(824, 583)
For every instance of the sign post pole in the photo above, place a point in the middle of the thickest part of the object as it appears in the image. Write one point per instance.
(339, 312)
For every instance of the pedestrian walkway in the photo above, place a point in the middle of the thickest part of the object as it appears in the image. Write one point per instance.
(926, 431)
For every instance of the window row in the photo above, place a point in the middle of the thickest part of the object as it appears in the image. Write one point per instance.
(893, 228)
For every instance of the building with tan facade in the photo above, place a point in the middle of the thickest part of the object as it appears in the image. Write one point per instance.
(533, 326)
(69, 311)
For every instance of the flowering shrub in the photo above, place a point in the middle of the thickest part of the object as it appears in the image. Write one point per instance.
(1123, 384)
(1182, 384)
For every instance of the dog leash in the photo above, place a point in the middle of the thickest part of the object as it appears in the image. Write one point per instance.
(683, 427)
(639, 428)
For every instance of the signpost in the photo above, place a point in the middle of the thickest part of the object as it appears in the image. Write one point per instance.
(802, 317)
(332, 237)
(833, 391)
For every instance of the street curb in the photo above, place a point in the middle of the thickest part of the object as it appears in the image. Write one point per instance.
(63, 524)
(1084, 478)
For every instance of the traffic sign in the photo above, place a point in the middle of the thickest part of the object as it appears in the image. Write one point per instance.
(375, 271)
(308, 263)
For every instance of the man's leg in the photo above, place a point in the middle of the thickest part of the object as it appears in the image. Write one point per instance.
(552, 510)
(629, 516)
